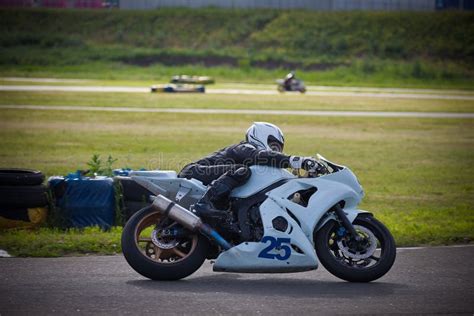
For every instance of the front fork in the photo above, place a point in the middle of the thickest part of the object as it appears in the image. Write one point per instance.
(345, 222)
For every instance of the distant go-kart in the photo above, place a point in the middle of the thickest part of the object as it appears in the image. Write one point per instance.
(295, 85)
(172, 88)
(192, 79)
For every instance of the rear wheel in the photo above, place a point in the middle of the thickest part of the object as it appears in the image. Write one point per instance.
(161, 249)
(356, 261)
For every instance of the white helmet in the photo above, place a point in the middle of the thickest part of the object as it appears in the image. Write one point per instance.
(265, 136)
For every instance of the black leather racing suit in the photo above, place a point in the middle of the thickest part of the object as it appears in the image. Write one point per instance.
(230, 165)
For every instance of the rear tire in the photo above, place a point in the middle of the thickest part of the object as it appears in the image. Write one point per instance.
(343, 262)
(157, 263)
(132, 207)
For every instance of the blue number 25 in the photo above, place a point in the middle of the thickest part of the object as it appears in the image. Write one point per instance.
(277, 243)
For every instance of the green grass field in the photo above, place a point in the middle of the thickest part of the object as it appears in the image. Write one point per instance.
(417, 173)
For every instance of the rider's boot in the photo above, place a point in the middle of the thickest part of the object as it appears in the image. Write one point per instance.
(216, 192)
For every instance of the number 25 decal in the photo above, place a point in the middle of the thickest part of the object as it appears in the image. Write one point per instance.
(278, 244)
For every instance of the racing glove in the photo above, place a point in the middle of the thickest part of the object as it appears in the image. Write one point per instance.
(307, 163)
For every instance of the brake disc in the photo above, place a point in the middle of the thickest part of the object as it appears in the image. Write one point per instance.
(164, 241)
(364, 252)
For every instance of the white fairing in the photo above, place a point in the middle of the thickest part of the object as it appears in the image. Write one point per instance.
(283, 256)
(183, 191)
(162, 174)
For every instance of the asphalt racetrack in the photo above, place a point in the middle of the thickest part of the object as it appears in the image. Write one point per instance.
(438, 280)
(380, 94)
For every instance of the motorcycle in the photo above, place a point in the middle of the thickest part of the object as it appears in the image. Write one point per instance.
(295, 85)
(278, 221)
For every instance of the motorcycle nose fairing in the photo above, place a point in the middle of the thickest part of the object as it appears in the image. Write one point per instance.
(290, 248)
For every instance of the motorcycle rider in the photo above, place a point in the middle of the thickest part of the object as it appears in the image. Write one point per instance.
(228, 167)
(289, 79)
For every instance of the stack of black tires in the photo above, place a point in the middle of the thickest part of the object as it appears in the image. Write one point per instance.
(23, 198)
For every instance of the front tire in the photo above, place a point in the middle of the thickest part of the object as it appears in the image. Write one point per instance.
(356, 262)
(161, 258)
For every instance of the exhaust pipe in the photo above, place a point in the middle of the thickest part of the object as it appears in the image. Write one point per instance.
(186, 218)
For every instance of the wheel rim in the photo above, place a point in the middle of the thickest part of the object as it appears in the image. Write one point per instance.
(162, 249)
(364, 254)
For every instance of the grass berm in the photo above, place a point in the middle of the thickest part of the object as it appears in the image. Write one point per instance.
(406, 49)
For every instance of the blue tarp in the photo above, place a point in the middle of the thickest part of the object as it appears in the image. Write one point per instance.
(84, 201)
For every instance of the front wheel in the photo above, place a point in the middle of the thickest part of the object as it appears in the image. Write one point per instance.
(161, 249)
(356, 261)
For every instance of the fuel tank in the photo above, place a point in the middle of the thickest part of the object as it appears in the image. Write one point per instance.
(261, 178)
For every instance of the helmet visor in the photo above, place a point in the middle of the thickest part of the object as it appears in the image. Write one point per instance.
(275, 144)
